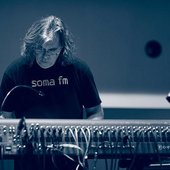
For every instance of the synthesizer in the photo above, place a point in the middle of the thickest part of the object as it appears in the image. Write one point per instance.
(86, 138)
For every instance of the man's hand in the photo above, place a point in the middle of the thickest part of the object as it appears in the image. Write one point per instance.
(7, 115)
(96, 112)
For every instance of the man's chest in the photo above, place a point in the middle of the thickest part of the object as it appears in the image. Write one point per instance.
(61, 85)
(59, 78)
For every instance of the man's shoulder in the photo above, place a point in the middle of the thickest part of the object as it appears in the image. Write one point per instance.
(79, 64)
(18, 63)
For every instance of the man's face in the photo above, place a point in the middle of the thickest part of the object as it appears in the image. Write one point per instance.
(47, 54)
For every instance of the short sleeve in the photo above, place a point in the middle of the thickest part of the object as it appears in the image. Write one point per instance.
(88, 90)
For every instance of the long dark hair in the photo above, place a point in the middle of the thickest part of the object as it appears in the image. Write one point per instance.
(45, 29)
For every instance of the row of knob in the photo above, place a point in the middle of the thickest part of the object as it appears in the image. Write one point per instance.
(96, 133)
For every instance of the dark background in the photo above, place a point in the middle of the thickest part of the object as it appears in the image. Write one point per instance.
(110, 35)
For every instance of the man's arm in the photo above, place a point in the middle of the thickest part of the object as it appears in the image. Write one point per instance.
(7, 115)
(96, 112)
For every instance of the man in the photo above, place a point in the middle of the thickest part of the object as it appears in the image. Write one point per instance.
(47, 65)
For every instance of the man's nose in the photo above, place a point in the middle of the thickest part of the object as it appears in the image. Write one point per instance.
(44, 52)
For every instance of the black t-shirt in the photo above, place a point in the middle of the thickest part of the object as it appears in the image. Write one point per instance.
(67, 87)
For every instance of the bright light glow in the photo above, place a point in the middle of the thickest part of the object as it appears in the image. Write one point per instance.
(118, 100)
